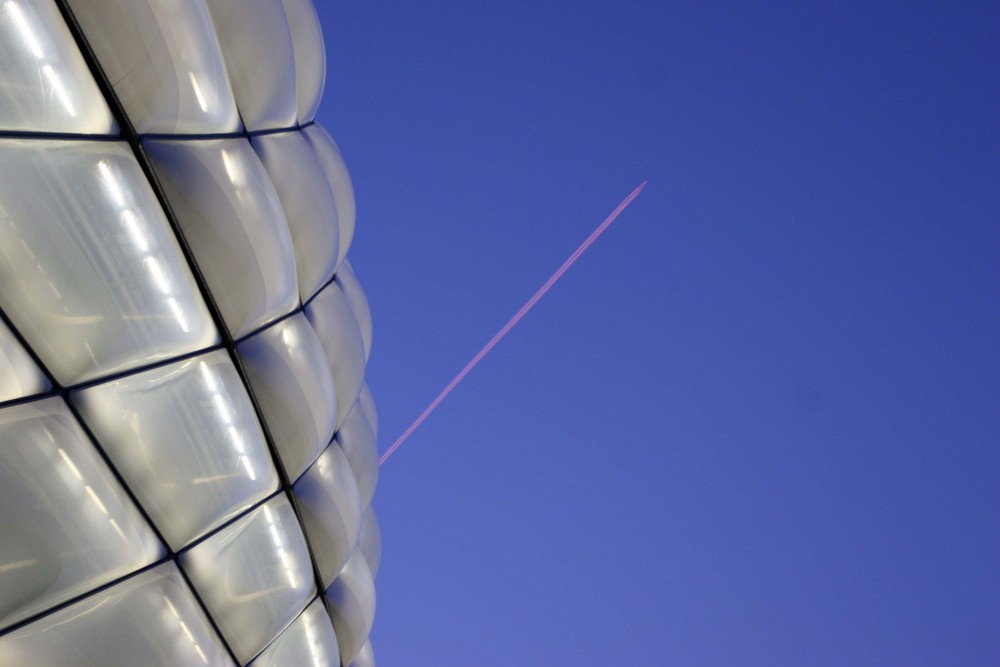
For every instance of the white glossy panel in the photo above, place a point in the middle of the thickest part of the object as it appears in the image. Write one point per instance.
(310, 56)
(367, 403)
(308, 642)
(293, 384)
(253, 576)
(185, 438)
(91, 274)
(164, 62)
(352, 606)
(149, 620)
(359, 303)
(331, 316)
(328, 501)
(19, 374)
(308, 203)
(365, 657)
(257, 48)
(45, 86)
(67, 526)
(358, 442)
(340, 183)
(370, 541)
(232, 218)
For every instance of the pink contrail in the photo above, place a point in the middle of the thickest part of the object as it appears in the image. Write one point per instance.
(514, 320)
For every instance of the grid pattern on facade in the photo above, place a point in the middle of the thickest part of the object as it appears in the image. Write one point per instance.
(187, 447)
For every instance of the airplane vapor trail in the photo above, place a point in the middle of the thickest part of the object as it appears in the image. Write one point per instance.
(514, 320)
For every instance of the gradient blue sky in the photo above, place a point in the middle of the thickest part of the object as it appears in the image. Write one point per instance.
(759, 422)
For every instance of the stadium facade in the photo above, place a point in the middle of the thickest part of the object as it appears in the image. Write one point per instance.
(187, 446)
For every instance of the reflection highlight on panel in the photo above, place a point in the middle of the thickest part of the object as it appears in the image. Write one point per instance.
(308, 642)
(185, 438)
(292, 381)
(308, 204)
(92, 276)
(164, 62)
(257, 48)
(150, 619)
(232, 218)
(67, 524)
(45, 85)
(254, 576)
(328, 501)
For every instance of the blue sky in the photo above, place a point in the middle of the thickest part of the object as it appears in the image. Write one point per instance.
(757, 423)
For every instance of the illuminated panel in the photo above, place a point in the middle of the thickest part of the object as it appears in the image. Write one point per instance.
(181, 336)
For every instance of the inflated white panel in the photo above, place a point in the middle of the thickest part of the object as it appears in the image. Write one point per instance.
(164, 62)
(92, 275)
(358, 442)
(365, 657)
(310, 56)
(327, 496)
(331, 316)
(308, 642)
(19, 374)
(359, 303)
(232, 218)
(370, 540)
(308, 203)
(186, 440)
(292, 381)
(45, 85)
(68, 526)
(367, 403)
(352, 606)
(340, 183)
(150, 620)
(257, 47)
(254, 576)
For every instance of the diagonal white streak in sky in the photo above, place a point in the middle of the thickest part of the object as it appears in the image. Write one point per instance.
(514, 320)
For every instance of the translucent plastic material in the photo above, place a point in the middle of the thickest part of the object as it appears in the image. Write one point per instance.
(358, 442)
(331, 316)
(19, 374)
(45, 86)
(186, 440)
(232, 218)
(257, 48)
(352, 606)
(164, 62)
(308, 642)
(150, 620)
(359, 303)
(370, 541)
(340, 183)
(328, 500)
(310, 56)
(308, 203)
(91, 274)
(68, 526)
(365, 657)
(293, 384)
(367, 403)
(254, 576)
